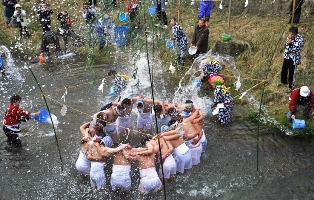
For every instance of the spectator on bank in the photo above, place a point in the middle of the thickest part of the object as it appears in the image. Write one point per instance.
(9, 11)
(44, 13)
(204, 10)
(50, 38)
(132, 9)
(89, 14)
(180, 37)
(297, 11)
(161, 11)
(292, 57)
(200, 38)
(20, 16)
(302, 96)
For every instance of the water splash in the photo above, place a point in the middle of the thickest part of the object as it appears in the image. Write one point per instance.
(9, 65)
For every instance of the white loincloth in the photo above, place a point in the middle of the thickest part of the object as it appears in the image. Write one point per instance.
(169, 167)
(144, 119)
(182, 156)
(110, 129)
(82, 164)
(97, 175)
(149, 181)
(123, 123)
(120, 177)
(196, 151)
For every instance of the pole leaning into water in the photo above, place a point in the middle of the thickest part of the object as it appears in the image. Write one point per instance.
(53, 126)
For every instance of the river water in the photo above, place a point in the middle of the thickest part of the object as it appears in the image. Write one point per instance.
(233, 167)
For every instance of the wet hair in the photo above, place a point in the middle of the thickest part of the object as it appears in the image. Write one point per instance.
(188, 101)
(126, 101)
(171, 122)
(100, 133)
(157, 108)
(172, 112)
(101, 122)
(112, 72)
(294, 30)
(119, 109)
(15, 98)
(145, 139)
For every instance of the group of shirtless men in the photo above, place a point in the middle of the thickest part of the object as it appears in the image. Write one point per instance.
(178, 146)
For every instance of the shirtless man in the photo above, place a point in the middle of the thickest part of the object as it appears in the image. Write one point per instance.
(109, 116)
(145, 158)
(161, 111)
(144, 118)
(168, 166)
(123, 121)
(181, 152)
(97, 173)
(97, 154)
(83, 164)
(197, 122)
(192, 136)
(120, 177)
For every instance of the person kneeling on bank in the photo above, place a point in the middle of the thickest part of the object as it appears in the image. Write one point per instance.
(302, 96)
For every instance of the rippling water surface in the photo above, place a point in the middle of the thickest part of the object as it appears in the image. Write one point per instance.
(231, 168)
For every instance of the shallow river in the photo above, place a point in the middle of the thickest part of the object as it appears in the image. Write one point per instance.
(231, 168)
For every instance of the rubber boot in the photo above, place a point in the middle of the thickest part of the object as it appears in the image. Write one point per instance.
(206, 21)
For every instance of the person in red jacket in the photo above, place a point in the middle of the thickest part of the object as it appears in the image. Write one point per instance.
(302, 96)
(132, 10)
(12, 120)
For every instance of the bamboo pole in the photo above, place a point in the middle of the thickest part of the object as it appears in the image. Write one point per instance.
(229, 14)
(293, 9)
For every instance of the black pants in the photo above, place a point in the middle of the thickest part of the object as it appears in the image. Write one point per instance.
(12, 136)
(21, 29)
(162, 16)
(288, 67)
(45, 27)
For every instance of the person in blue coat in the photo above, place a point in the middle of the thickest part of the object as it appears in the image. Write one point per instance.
(9, 10)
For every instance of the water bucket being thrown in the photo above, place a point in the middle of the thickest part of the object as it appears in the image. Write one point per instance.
(112, 92)
(197, 82)
(210, 110)
(170, 44)
(123, 17)
(298, 123)
(43, 116)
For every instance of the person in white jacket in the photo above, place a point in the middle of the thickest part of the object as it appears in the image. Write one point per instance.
(22, 22)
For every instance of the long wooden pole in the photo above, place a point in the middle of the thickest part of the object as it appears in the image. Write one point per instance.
(292, 16)
(229, 14)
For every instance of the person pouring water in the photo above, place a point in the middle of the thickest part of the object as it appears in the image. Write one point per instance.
(302, 96)
(12, 121)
